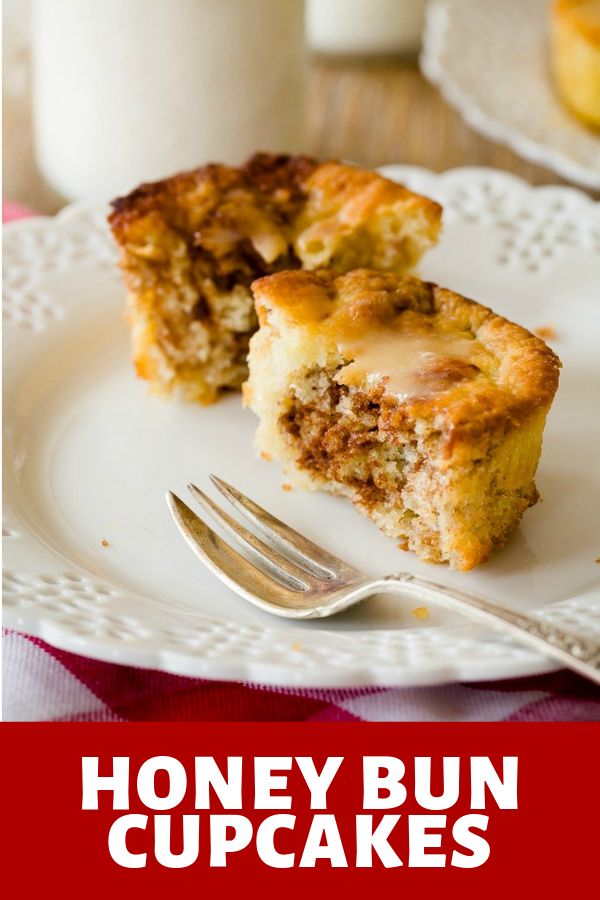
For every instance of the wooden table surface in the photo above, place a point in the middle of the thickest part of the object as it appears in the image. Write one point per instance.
(371, 112)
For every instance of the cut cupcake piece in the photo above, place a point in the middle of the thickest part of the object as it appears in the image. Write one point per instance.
(575, 53)
(191, 246)
(424, 408)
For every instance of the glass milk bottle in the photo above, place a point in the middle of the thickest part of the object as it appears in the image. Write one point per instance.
(127, 91)
(365, 27)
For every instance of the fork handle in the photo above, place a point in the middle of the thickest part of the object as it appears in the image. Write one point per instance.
(580, 654)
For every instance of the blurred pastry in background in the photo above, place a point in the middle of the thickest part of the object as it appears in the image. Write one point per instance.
(576, 56)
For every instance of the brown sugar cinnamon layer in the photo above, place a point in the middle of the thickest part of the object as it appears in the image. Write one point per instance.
(424, 408)
(191, 245)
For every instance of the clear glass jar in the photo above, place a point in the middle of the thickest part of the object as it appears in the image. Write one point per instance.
(127, 91)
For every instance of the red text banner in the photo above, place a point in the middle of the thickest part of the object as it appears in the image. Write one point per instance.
(463, 808)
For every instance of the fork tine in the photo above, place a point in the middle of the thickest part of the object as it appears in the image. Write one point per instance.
(284, 569)
(229, 565)
(310, 556)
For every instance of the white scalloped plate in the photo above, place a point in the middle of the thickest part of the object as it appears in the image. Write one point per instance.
(490, 60)
(88, 456)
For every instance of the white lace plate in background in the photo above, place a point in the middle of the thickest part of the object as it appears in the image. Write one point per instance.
(89, 455)
(490, 60)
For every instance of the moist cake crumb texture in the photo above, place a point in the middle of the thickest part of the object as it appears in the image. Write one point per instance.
(424, 408)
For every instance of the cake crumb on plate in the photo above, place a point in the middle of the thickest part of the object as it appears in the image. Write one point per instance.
(546, 332)
(421, 612)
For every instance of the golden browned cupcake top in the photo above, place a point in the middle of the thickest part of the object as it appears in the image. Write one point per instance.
(277, 209)
(226, 203)
(432, 353)
(584, 15)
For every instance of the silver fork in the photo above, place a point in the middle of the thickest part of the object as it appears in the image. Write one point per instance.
(292, 577)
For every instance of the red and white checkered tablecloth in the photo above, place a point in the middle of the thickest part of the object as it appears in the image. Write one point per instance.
(43, 683)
